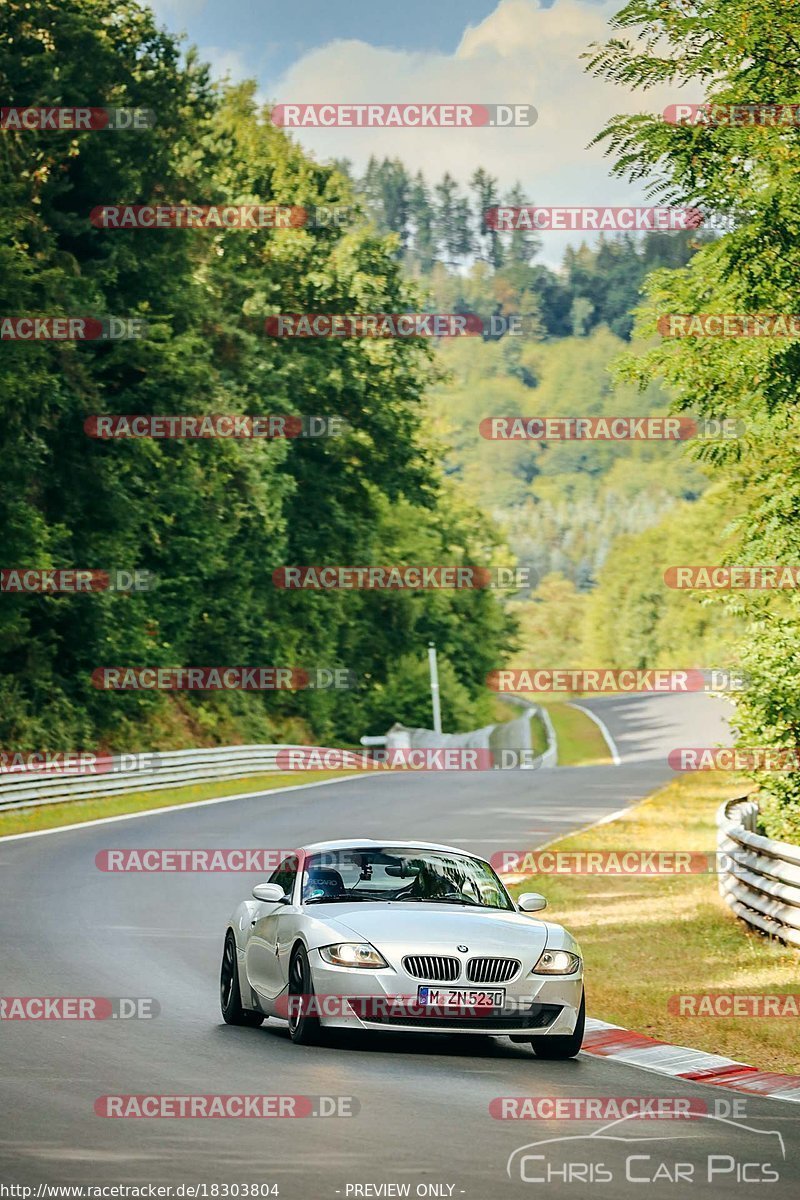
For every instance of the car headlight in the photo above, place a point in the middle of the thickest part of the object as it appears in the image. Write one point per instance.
(557, 962)
(353, 954)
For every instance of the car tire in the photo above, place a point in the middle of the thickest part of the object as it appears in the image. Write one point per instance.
(229, 994)
(562, 1045)
(305, 1029)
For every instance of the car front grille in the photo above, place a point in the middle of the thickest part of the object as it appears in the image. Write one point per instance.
(492, 970)
(436, 967)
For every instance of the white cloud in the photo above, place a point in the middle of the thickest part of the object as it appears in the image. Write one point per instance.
(521, 53)
(225, 63)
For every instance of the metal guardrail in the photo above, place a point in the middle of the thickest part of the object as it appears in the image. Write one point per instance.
(164, 769)
(503, 738)
(761, 879)
(550, 756)
(173, 768)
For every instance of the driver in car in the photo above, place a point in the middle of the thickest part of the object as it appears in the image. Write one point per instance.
(429, 884)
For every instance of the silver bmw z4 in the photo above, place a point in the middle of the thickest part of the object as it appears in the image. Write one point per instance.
(408, 937)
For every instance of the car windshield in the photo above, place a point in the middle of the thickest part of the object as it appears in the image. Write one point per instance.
(405, 875)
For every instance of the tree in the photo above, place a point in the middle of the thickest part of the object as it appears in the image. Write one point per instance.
(744, 52)
(484, 188)
(212, 518)
(422, 217)
(634, 620)
(551, 625)
(522, 245)
(580, 316)
(385, 189)
(448, 216)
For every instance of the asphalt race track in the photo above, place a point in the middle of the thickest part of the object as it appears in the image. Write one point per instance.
(423, 1122)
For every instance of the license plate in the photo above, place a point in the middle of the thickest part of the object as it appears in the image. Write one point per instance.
(431, 997)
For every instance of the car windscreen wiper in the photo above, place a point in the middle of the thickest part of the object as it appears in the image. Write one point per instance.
(337, 899)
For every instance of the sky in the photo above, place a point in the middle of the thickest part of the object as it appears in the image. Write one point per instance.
(477, 51)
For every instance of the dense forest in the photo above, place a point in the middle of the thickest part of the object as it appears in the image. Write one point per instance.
(560, 506)
(578, 515)
(210, 519)
(444, 239)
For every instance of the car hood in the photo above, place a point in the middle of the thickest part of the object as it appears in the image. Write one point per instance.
(421, 928)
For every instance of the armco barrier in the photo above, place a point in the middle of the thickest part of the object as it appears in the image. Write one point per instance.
(550, 756)
(761, 882)
(512, 735)
(171, 768)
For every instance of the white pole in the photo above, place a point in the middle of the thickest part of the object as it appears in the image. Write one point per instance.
(437, 710)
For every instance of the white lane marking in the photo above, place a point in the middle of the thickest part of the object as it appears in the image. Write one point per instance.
(154, 812)
(611, 817)
(612, 745)
(511, 878)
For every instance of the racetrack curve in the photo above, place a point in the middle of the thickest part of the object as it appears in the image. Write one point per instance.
(71, 929)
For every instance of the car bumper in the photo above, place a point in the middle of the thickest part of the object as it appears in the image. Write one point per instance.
(536, 1005)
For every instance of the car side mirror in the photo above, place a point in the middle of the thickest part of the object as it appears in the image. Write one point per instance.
(531, 902)
(270, 893)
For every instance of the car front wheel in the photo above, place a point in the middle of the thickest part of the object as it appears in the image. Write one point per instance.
(562, 1045)
(305, 1027)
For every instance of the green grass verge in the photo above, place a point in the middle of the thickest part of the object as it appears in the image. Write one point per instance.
(645, 939)
(51, 816)
(502, 712)
(538, 735)
(580, 741)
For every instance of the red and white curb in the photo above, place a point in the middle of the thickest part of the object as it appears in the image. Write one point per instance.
(681, 1062)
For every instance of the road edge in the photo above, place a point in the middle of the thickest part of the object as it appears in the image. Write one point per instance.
(168, 808)
(604, 1040)
(616, 757)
